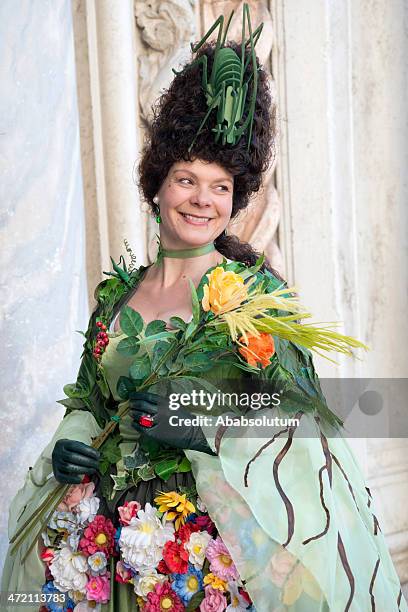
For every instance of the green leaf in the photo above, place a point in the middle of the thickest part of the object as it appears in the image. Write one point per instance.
(146, 472)
(190, 328)
(78, 331)
(110, 450)
(164, 469)
(195, 601)
(199, 362)
(184, 465)
(195, 302)
(140, 368)
(124, 386)
(178, 323)
(135, 460)
(155, 327)
(128, 346)
(120, 482)
(131, 323)
(72, 403)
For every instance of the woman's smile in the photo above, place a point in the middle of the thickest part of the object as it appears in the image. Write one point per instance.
(195, 219)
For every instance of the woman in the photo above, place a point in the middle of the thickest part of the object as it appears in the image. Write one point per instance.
(291, 524)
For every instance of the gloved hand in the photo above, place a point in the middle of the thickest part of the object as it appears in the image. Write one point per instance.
(72, 459)
(178, 436)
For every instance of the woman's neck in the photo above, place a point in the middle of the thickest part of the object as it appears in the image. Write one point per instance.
(169, 270)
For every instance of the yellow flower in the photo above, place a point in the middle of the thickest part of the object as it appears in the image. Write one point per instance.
(225, 290)
(176, 506)
(215, 582)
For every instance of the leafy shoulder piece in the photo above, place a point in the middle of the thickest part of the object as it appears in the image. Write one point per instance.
(90, 390)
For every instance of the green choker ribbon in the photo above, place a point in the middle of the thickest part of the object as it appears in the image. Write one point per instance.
(183, 253)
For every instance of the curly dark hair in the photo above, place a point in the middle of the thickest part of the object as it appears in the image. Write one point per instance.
(177, 115)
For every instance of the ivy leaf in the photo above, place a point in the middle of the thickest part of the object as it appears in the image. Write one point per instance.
(120, 482)
(72, 403)
(131, 323)
(140, 368)
(135, 460)
(110, 450)
(155, 327)
(146, 472)
(195, 302)
(128, 346)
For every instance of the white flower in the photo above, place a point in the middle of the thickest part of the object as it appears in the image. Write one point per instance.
(196, 546)
(69, 570)
(87, 509)
(201, 505)
(141, 542)
(63, 520)
(73, 541)
(97, 562)
(238, 602)
(87, 606)
(144, 582)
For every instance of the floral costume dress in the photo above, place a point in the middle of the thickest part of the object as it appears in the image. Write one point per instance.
(294, 513)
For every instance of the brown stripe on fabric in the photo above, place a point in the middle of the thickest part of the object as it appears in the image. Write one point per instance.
(346, 478)
(218, 437)
(376, 525)
(372, 584)
(326, 452)
(369, 496)
(325, 530)
(289, 508)
(347, 569)
(258, 452)
(399, 599)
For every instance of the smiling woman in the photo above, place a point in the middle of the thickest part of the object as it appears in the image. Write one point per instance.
(126, 511)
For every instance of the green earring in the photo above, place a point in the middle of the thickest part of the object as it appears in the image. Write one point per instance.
(156, 201)
(158, 218)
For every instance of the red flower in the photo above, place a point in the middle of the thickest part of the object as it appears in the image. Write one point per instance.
(98, 537)
(244, 595)
(163, 598)
(162, 567)
(184, 531)
(175, 557)
(205, 523)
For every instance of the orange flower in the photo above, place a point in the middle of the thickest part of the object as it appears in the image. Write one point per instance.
(258, 349)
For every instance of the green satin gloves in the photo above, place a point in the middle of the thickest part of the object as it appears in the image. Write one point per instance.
(72, 459)
(155, 412)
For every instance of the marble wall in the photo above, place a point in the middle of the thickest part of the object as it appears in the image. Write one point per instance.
(42, 273)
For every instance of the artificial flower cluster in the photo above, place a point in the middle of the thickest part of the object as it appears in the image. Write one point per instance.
(78, 545)
(174, 559)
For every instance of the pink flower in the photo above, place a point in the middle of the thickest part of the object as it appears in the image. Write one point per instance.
(76, 493)
(221, 563)
(98, 589)
(98, 536)
(128, 511)
(122, 573)
(47, 555)
(163, 598)
(214, 601)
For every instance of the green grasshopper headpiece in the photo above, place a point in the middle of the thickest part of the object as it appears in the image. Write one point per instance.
(226, 89)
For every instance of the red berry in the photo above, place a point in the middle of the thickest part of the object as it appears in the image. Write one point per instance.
(104, 327)
(99, 323)
(101, 343)
(97, 350)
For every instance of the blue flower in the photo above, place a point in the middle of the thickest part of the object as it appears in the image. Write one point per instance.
(191, 517)
(186, 585)
(57, 605)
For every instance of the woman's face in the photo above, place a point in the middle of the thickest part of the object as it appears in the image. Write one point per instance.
(195, 203)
